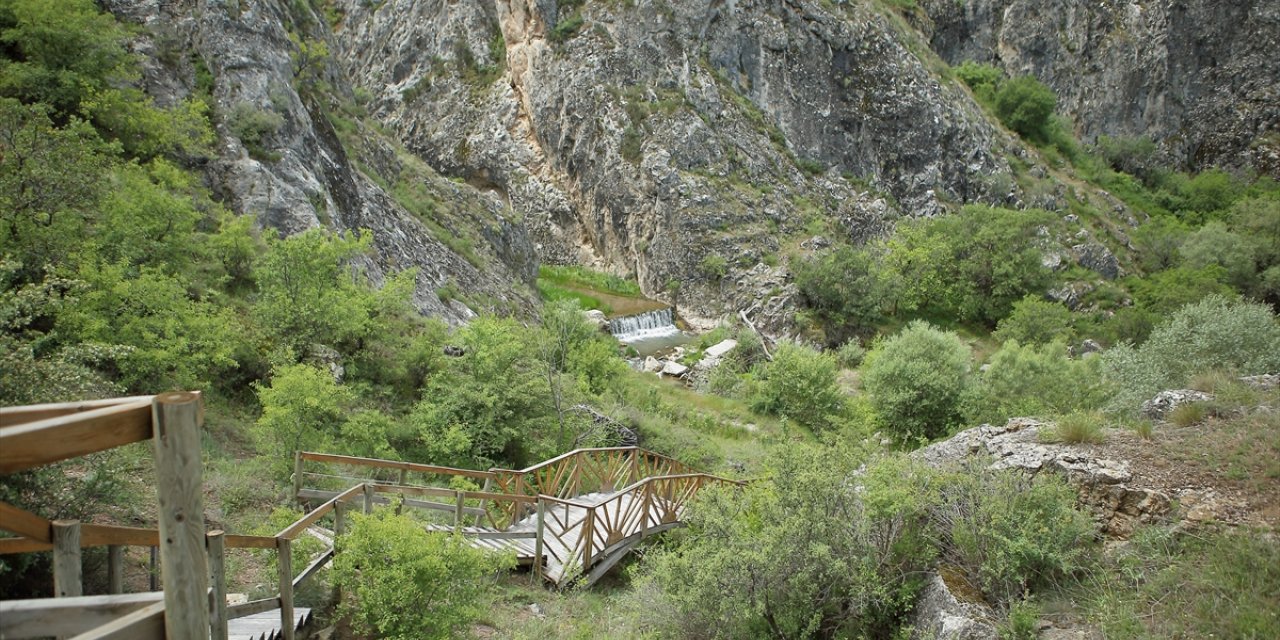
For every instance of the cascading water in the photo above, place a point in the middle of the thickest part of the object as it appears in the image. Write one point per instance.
(644, 326)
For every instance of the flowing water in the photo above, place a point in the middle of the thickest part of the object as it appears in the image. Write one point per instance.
(648, 332)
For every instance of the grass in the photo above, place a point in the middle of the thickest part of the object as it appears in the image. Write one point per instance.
(1185, 415)
(1166, 585)
(552, 292)
(1077, 428)
(584, 278)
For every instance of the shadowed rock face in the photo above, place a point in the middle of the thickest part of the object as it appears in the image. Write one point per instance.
(1197, 76)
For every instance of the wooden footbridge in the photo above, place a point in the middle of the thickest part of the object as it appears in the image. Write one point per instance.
(570, 518)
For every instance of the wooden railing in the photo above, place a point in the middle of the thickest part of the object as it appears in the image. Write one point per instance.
(38, 435)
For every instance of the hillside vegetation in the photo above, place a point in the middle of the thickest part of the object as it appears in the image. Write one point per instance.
(124, 271)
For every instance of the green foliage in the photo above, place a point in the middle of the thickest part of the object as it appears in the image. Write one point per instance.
(801, 553)
(406, 583)
(60, 52)
(582, 277)
(1036, 380)
(845, 288)
(1022, 623)
(1159, 242)
(1169, 290)
(800, 384)
(1035, 320)
(1026, 105)
(1134, 156)
(253, 126)
(1215, 333)
(983, 79)
(917, 380)
(1011, 534)
(850, 354)
(175, 341)
(566, 28)
(971, 266)
(1215, 245)
(307, 294)
(714, 266)
(489, 406)
(302, 410)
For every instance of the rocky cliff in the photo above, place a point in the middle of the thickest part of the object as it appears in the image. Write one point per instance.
(1197, 76)
(476, 138)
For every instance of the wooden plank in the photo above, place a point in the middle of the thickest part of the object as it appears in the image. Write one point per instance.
(147, 622)
(179, 470)
(394, 464)
(47, 441)
(408, 502)
(24, 523)
(216, 546)
(10, 546)
(67, 616)
(252, 608)
(67, 578)
(97, 535)
(315, 566)
(297, 528)
(14, 416)
(249, 542)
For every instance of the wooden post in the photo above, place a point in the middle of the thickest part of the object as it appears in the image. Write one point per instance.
(115, 569)
(460, 498)
(368, 499)
(517, 508)
(218, 629)
(176, 418)
(403, 474)
(153, 570)
(588, 530)
(286, 587)
(537, 541)
(66, 559)
(635, 466)
(488, 484)
(339, 519)
(297, 475)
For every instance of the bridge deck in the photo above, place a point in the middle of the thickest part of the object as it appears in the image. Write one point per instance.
(265, 625)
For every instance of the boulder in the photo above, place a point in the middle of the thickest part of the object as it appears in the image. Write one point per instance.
(1164, 402)
(597, 319)
(1098, 258)
(673, 368)
(718, 350)
(940, 615)
(652, 365)
(1264, 382)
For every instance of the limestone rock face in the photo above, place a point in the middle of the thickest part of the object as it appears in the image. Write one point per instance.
(659, 133)
(1103, 485)
(1187, 73)
(940, 615)
(300, 175)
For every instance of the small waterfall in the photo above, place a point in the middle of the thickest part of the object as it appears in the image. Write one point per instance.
(644, 326)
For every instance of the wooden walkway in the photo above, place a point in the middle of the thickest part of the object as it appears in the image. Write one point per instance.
(265, 625)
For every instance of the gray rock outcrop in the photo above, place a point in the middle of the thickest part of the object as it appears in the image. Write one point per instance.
(940, 615)
(1159, 407)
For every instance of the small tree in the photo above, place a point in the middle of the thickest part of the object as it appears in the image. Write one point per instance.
(404, 582)
(799, 383)
(1035, 321)
(1025, 105)
(917, 380)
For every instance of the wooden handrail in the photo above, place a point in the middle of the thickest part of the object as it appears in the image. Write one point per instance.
(394, 464)
(14, 416)
(50, 440)
(24, 523)
(293, 531)
(563, 456)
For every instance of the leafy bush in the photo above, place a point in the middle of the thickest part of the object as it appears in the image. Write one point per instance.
(800, 384)
(983, 79)
(253, 126)
(302, 409)
(801, 553)
(1035, 320)
(917, 380)
(1215, 333)
(1026, 105)
(850, 354)
(403, 582)
(845, 289)
(1029, 380)
(1011, 534)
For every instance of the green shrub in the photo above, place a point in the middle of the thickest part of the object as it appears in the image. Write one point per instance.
(983, 79)
(917, 380)
(1035, 320)
(1011, 534)
(802, 553)
(1216, 333)
(845, 288)
(566, 28)
(1036, 381)
(1022, 623)
(253, 126)
(1026, 105)
(800, 384)
(850, 354)
(403, 582)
